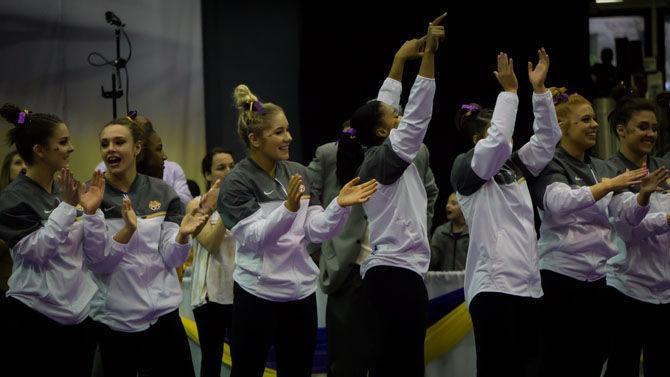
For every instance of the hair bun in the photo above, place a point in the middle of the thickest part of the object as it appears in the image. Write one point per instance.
(12, 114)
(243, 96)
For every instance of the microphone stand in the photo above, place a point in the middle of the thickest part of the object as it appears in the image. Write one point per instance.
(118, 63)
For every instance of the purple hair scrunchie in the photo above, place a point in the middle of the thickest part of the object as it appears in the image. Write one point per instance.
(472, 109)
(257, 106)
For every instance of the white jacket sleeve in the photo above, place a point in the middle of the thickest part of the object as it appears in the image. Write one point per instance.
(174, 254)
(625, 207)
(390, 93)
(539, 150)
(42, 244)
(256, 231)
(652, 225)
(180, 185)
(101, 251)
(491, 152)
(559, 198)
(407, 138)
(322, 225)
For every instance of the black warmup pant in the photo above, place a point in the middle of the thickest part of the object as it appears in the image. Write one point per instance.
(397, 318)
(638, 327)
(348, 344)
(507, 334)
(288, 326)
(214, 321)
(40, 346)
(161, 350)
(576, 319)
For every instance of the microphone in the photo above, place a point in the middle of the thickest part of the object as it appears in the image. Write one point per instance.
(113, 19)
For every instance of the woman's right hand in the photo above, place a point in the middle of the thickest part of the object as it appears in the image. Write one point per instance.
(505, 73)
(296, 189)
(128, 213)
(626, 179)
(68, 186)
(435, 34)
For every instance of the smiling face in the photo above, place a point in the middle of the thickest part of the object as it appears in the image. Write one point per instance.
(640, 133)
(580, 129)
(118, 149)
(274, 142)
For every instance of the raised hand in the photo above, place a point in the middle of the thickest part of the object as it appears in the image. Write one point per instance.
(505, 73)
(538, 75)
(295, 190)
(435, 33)
(91, 197)
(128, 213)
(651, 182)
(411, 49)
(68, 186)
(353, 193)
(192, 221)
(208, 201)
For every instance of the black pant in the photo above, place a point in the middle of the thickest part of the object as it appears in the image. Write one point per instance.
(348, 346)
(39, 346)
(397, 318)
(638, 327)
(507, 334)
(288, 326)
(213, 321)
(161, 350)
(576, 326)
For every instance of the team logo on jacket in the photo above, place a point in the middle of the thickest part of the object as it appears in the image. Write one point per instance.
(154, 205)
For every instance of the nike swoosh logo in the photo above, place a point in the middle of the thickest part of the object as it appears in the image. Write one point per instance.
(108, 209)
(269, 192)
(47, 212)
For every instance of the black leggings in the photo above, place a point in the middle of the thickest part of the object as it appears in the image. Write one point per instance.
(160, 350)
(638, 327)
(39, 346)
(397, 318)
(213, 321)
(288, 326)
(575, 325)
(507, 336)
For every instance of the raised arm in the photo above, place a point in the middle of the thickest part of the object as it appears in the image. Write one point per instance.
(391, 89)
(491, 152)
(406, 139)
(539, 150)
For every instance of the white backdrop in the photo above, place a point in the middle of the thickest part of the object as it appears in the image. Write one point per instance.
(44, 48)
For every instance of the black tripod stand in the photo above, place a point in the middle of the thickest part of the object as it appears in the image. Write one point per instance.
(119, 64)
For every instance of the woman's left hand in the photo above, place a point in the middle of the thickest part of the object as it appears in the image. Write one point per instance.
(353, 193)
(192, 221)
(91, 197)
